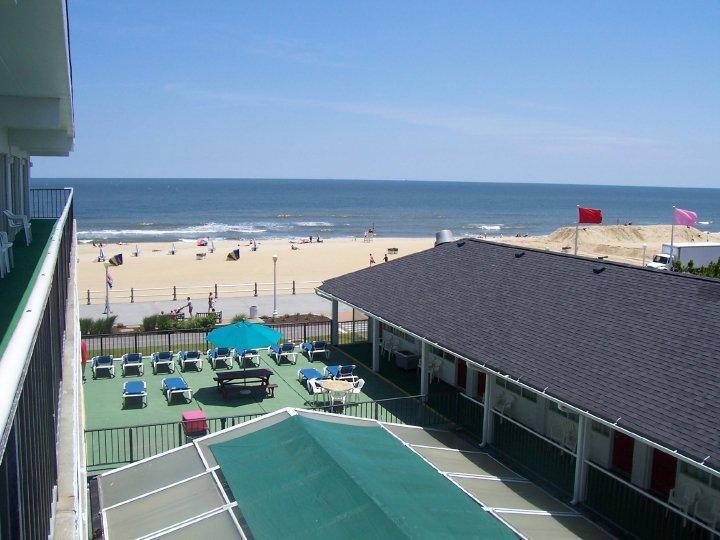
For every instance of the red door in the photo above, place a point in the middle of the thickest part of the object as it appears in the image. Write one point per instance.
(664, 467)
(622, 455)
(481, 383)
(461, 375)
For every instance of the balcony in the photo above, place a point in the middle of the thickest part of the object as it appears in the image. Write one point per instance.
(37, 458)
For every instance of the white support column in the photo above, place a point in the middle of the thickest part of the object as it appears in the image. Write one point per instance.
(580, 485)
(471, 383)
(488, 408)
(424, 382)
(375, 329)
(334, 324)
(642, 465)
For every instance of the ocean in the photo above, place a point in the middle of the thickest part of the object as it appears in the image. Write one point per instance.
(119, 209)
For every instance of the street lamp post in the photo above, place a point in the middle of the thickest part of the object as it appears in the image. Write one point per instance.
(275, 258)
(107, 291)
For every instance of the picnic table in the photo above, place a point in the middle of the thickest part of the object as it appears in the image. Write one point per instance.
(226, 380)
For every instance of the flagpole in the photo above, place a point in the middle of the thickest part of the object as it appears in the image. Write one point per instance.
(107, 292)
(577, 226)
(672, 237)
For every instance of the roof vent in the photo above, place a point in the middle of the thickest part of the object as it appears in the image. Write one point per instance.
(519, 254)
(461, 243)
(599, 269)
(443, 237)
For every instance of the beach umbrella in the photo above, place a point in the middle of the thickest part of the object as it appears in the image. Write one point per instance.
(244, 335)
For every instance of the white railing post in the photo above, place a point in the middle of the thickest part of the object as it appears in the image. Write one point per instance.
(375, 330)
(581, 468)
(487, 437)
(334, 323)
(424, 379)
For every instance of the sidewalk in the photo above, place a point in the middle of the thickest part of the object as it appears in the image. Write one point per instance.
(133, 313)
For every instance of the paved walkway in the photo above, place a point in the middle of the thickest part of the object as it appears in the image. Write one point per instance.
(133, 313)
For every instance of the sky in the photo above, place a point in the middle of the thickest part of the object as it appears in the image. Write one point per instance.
(601, 92)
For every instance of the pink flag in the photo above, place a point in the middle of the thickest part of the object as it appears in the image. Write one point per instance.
(685, 217)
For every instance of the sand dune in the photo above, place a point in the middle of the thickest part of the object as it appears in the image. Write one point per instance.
(618, 242)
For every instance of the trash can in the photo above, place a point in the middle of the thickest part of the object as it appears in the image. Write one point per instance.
(253, 312)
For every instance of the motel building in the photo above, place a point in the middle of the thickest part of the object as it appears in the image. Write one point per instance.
(599, 381)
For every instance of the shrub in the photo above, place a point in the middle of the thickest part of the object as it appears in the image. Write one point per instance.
(164, 322)
(103, 325)
(238, 318)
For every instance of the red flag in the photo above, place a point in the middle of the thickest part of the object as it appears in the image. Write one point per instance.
(589, 215)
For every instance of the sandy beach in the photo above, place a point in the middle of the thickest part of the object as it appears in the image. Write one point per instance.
(155, 268)
(311, 263)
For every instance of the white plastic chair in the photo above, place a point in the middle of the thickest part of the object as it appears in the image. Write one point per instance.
(7, 260)
(707, 509)
(684, 496)
(355, 392)
(18, 221)
(316, 390)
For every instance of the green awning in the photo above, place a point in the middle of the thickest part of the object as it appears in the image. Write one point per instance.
(311, 478)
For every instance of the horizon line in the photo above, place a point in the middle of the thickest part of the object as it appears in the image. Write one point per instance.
(413, 180)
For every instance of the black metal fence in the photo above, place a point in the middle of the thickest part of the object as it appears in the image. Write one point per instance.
(112, 447)
(28, 459)
(48, 203)
(178, 340)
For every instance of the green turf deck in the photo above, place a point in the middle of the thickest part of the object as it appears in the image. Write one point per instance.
(16, 286)
(103, 402)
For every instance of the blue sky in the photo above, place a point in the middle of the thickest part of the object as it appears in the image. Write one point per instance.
(583, 92)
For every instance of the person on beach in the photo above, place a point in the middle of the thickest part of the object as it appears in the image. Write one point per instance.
(189, 306)
(385, 258)
(210, 302)
(372, 260)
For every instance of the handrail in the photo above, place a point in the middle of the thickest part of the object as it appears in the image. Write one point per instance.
(20, 344)
(650, 496)
(535, 433)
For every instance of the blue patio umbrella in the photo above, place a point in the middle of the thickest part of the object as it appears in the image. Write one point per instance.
(244, 335)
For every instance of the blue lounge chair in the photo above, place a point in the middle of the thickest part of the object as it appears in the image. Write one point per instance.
(132, 360)
(190, 357)
(221, 355)
(250, 354)
(164, 358)
(288, 351)
(316, 347)
(176, 385)
(304, 375)
(104, 362)
(134, 390)
(340, 372)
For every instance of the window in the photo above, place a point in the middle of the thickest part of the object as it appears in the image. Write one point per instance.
(516, 389)
(602, 429)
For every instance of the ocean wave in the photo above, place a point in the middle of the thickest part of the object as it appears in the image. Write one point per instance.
(207, 229)
(313, 224)
(486, 227)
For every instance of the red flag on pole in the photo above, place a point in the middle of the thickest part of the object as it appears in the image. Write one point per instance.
(589, 215)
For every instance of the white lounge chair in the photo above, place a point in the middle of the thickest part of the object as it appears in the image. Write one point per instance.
(103, 362)
(163, 358)
(221, 355)
(190, 357)
(7, 260)
(132, 360)
(17, 222)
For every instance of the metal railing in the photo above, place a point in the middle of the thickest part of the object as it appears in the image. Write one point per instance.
(173, 292)
(115, 446)
(178, 340)
(31, 373)
(48, 202)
